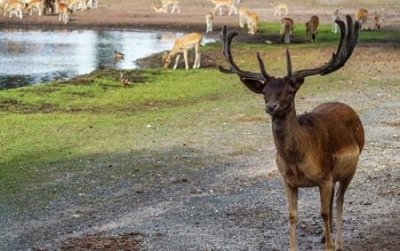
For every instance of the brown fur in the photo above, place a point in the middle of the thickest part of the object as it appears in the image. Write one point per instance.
(312, 28)
(320, 148)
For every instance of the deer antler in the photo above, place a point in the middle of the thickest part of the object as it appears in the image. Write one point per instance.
(348, 40)
(227, 40)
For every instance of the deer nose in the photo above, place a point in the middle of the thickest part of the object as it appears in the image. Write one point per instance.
(271, 108)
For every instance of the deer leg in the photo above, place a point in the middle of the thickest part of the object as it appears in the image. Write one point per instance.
(185, 56)
(325, 190)
(291, 193)
(177, 60)
(339, 211)
(330, 212)
(197, 57)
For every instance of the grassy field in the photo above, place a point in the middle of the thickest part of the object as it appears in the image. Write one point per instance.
(49, 131)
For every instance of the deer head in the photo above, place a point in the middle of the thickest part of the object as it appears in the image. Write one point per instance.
(279, 93)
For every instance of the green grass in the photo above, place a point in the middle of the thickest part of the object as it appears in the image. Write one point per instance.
(53, 129)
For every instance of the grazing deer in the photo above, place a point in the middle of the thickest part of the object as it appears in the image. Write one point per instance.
(362, 15)
(175, 5)
(377, 19)
(182, 45)
(335, 16)
(279, 8)
(158, 9)
(243, 14)
(92, 4)
(312, 28)
(209, 21)
(14, 7)
(320, 148)
(287, 26)
(34, 5)
(219, 4)
(250, 18)
(252, 21)
(63, 12)
(372, 23)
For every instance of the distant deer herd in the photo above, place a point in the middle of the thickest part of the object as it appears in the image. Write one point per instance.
(250, 19)
(62, 8)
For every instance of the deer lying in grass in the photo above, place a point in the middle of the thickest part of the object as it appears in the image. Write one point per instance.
(312, 28)
(287, 26)
(320, 148)
(182, 45)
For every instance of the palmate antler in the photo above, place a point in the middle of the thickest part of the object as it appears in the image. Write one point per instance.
(348, 40)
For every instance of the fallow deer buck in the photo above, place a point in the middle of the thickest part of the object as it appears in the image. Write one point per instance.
(182, 45)
(319, 148)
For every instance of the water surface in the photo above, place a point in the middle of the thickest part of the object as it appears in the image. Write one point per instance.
(37, 56)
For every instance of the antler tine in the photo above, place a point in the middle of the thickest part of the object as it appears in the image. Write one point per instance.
(348, 40)
(262, 67)
(227, 38)
(288, 63)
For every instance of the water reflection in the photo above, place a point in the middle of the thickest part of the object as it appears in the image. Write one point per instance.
(28, 57)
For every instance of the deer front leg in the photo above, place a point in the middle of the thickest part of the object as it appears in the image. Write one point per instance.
(177, 60)
(291, 193)
(185, 57)
(325, 190)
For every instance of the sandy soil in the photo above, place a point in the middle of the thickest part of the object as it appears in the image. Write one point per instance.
(233, 203)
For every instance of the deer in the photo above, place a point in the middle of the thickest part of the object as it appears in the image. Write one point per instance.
(279, 7)
(362, 15)
(182, 45)
(219, 4)
(287, 26)
(319, 148)
(312, 28)
(335, 16)
(250, 18)
(63, 12)
(34, 5)
(14, 7)
(165, 5)
(209, 21)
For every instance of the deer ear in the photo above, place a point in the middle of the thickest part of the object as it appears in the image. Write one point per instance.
(254, 85)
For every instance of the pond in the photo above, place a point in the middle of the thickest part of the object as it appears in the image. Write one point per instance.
(36, 56)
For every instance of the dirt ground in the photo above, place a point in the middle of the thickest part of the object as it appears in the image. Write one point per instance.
(235, 202)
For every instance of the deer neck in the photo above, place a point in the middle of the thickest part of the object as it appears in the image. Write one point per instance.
(288, 137)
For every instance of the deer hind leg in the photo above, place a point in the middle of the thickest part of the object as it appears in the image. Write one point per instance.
(292, 193)
(331, 212)
(197, 57)
(325, 190)
(343, 185)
